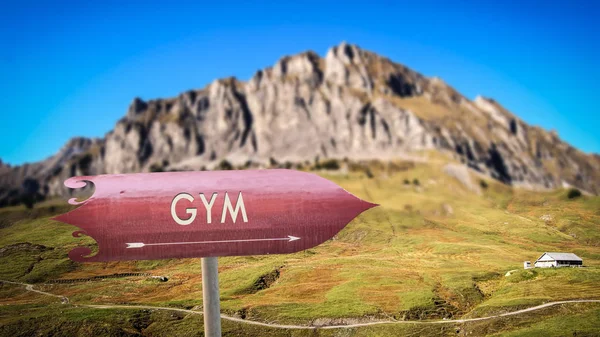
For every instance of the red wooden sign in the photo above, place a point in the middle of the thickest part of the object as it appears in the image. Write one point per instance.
(201, 214)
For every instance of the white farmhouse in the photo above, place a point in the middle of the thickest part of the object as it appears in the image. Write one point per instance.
(548, 260)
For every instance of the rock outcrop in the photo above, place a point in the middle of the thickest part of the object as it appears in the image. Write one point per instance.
(351, 103)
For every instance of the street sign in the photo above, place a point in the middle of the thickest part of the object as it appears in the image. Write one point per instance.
(149, 216)
(207, 214)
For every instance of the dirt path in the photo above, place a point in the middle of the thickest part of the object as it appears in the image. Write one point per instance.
(29, 287)
(65, 300)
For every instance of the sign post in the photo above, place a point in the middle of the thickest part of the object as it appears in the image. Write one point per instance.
(210, 297)
(149, 216)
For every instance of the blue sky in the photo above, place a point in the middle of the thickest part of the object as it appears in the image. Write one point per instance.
(71, 69)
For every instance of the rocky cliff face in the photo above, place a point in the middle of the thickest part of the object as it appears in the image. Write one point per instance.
(351, 103)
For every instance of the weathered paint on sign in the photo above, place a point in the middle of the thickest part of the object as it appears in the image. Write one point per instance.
(200, 214)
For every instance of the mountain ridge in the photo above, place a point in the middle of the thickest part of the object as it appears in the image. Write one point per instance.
(352, 103)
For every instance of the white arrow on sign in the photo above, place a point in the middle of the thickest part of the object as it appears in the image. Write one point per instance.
(141, 244)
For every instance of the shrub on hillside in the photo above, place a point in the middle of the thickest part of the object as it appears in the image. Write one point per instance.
(573, 193)
(159, 166)
(483, 184)
(156, 167)
(225, 165)
(330, 164)
(30, 195)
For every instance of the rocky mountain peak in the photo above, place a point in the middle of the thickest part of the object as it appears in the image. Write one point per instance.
(305, 66)
(137, 105)
(351, 103)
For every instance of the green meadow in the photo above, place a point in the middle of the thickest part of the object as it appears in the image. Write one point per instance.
(436, 248)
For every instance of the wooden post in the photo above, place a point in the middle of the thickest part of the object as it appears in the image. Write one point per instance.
(210, 296)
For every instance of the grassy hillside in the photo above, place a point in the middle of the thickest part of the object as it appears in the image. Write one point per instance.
(437, 247)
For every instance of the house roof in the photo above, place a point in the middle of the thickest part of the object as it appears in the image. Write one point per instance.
(562, 256)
